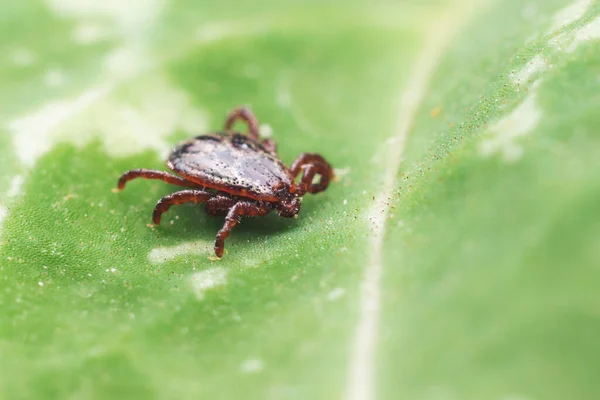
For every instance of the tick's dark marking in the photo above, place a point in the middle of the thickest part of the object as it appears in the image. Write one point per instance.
(236, 175)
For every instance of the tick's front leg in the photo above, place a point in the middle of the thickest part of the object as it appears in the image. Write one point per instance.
(311, 164)
(242, 208)
(152, 174)
(183, 196)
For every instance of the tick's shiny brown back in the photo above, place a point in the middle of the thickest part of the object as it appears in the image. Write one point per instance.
(233, 163)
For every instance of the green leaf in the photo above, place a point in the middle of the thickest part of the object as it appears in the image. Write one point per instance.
(455, 257)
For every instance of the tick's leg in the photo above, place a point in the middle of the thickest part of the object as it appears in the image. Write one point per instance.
(242, 208)
(306, 158)
(152, 174)
(219, 205)
(183, 196)
(270, 145)
(311, 164)
(306, 182)
(246, 115)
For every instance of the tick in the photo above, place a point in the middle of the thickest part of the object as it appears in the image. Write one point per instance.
(236, 175)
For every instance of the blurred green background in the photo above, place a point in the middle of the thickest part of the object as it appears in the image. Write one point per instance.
(456, 256)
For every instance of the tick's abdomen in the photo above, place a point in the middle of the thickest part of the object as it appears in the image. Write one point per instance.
(231, 162)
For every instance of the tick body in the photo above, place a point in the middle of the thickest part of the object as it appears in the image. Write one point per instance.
(236, 175)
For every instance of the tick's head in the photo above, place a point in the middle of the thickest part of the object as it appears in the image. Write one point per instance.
(289, 204)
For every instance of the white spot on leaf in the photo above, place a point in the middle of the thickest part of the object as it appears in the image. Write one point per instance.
(569, 14)
(266, 130)
(32, 133)
(226, 29)
(54, 78)
(568, 41)
(590, 31)
(336, 294)
(252, 365)
(208, 279)
(87, 33)
(129, 17)
(530, 11)
(503, 134)
(162, 254)
(525, 117)
(341, 172)
(250, 263)
(284, 95)
(3, 213)
(127, 123)
(15, 186)
(211, 33)
(23, 57)
(127, 60)
(536, 65)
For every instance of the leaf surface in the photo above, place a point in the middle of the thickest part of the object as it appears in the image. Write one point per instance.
(455, 256)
